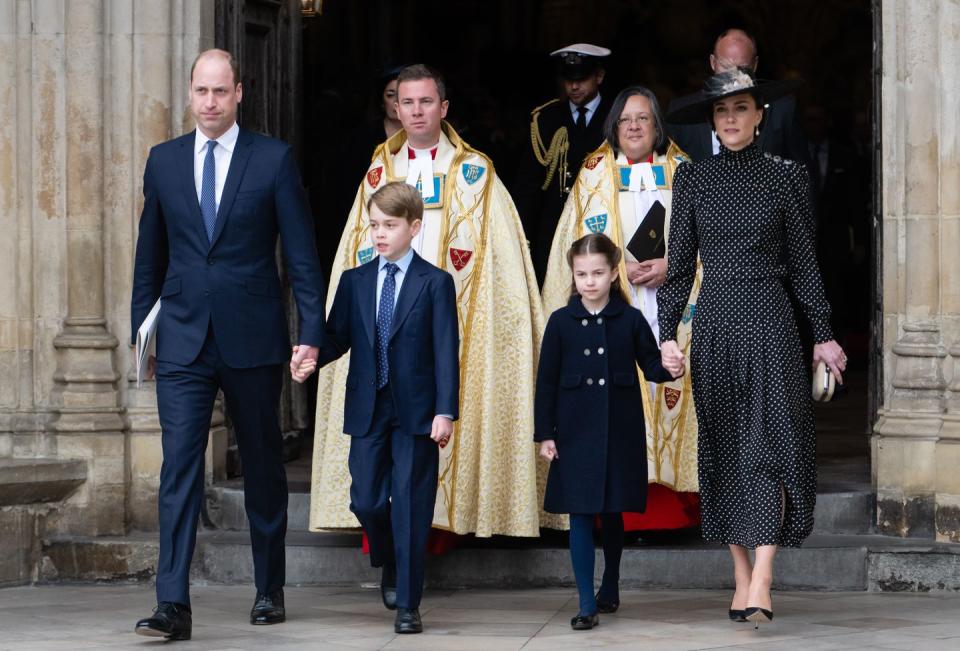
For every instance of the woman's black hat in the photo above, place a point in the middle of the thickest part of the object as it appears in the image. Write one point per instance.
(696, 108)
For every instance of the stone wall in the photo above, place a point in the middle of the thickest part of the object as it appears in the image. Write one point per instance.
(86, 88)
(916, 446)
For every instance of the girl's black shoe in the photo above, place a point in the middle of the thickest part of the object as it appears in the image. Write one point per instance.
(607, 607)
(584, 622)
(757, 615)
(737, 615)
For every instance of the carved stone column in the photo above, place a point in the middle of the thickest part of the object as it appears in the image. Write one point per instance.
(908, 427)
(88, 424)
(948, 447)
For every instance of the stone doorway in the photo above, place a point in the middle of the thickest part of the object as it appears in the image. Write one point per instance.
(497, 70)
(314, 83)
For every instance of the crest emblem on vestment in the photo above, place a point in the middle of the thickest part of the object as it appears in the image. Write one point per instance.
(373, 176)
(596, 223)
(472, 173)
(593, 162)
(365, 255)
(671, 396)
(460, 258)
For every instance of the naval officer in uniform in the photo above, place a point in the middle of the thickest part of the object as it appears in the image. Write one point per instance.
(562, 132)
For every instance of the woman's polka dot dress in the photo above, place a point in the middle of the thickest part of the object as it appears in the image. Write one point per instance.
(748, 215)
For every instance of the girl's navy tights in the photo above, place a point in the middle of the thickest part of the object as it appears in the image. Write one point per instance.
(582, 554)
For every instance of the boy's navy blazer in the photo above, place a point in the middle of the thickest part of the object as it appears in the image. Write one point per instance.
(230, 284)
(423, 350)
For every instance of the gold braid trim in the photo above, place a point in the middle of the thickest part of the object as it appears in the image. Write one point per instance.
(554, 157)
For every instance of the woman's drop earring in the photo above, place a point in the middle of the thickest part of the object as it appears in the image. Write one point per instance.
(756, 131)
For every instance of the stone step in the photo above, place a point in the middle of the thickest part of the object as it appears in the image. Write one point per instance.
(839, 512)
(825, 562)
(29, 489)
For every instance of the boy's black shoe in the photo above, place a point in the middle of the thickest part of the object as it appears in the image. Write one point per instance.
(388, 586)
(170, 620)
(584, 622)
(268, 609)
(408, 621)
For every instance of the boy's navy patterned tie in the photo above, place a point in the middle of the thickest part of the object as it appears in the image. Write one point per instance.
(208, 191)
(385, 323)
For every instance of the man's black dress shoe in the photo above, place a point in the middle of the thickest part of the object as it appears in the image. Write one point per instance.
(408, 621)
(268, 608)
(388, 586)
(169, 620)
(584, 622)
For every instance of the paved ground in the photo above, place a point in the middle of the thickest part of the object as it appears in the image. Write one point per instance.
(80, 617)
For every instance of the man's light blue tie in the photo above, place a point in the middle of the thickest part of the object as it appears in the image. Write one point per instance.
(385, 323)
(208, 191)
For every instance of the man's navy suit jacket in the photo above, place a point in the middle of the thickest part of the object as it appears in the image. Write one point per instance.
(423, 349)
(230, 283)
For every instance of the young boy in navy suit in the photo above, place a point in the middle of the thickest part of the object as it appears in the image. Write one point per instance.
(397, 315)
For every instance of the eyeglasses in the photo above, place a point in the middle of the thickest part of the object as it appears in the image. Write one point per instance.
(634, 119)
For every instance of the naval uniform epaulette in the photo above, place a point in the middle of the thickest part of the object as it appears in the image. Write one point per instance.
(553, 156)
(537, 110)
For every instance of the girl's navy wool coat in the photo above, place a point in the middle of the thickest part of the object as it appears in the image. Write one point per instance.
(588, 400)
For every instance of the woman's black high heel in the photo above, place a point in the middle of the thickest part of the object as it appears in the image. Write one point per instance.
(737, 615)
(757, 615)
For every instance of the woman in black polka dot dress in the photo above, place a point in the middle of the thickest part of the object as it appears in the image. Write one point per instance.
(747, 215)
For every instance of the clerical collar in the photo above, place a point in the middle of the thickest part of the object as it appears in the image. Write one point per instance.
(412, 152)
(635, 162)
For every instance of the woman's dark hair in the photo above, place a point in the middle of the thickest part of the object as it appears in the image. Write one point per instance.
(616, 109)
(596, 243)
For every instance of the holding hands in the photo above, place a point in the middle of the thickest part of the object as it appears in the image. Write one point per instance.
(650, 273)
(303, 362)
(672, 359)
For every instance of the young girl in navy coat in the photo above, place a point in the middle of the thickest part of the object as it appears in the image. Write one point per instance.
(589, 416)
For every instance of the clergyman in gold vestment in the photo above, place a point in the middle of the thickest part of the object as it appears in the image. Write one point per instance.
(488, 481)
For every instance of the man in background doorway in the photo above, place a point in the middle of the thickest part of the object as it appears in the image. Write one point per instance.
(562, 132)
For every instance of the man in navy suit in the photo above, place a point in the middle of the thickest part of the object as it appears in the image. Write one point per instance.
(397, 314)
(215, 201)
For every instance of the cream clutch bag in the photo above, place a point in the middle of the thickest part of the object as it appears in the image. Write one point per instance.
(824, 384)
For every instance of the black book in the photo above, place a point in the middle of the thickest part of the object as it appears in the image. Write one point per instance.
(648, 243)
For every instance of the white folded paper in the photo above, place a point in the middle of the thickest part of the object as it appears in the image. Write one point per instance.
(147, 341)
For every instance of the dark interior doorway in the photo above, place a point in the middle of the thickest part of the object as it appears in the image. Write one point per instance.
(495, 59)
